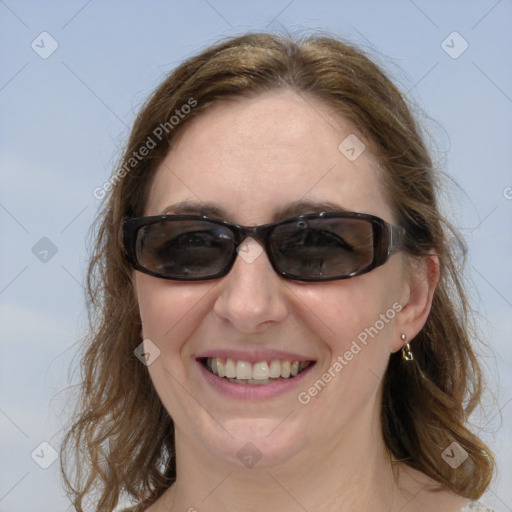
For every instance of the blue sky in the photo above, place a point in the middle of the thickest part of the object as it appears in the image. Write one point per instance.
(66, 114)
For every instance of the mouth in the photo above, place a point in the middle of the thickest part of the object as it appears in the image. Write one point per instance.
(254, 374)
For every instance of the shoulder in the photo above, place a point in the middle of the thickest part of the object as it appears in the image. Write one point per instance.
(476, 506)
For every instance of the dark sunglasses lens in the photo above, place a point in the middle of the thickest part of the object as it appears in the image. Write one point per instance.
(184, 248)
(324, 247)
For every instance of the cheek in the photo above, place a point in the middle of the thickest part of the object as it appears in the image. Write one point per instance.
(356, 320)
(359, 317)
(359, 308)
(170, 311)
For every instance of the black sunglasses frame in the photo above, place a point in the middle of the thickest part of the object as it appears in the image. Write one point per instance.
(388, 239)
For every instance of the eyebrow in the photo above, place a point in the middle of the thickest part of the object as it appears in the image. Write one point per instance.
(197, 208)
(307, 206)
(215, 210)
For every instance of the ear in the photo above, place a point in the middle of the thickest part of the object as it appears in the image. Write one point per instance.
(421, 280)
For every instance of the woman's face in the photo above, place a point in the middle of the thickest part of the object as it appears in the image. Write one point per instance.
(247, 162)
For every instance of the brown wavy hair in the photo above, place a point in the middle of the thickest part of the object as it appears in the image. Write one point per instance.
(121, 441)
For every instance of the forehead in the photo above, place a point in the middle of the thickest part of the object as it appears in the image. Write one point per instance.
(253, 157)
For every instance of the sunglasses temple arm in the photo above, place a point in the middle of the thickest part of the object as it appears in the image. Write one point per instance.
(396, 238)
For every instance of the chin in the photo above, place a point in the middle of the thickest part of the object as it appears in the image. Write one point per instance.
(274, 440)
(251, 442)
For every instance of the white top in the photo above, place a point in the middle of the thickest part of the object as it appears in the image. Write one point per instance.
(476, 506)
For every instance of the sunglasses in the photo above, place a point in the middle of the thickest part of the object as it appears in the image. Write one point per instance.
(310, 247)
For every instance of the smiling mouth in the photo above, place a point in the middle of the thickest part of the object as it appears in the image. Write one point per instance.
(258, 374)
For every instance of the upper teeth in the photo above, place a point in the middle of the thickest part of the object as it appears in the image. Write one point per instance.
(262, 370)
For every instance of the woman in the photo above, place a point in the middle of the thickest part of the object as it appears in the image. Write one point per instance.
(320, 361)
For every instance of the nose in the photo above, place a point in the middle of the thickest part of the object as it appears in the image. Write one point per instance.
(251, 297)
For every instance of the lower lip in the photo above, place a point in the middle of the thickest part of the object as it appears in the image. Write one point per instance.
(252, 391)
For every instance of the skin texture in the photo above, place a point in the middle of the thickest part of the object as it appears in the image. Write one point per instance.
(251, 158)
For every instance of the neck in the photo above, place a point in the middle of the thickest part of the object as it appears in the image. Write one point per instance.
(342, 476)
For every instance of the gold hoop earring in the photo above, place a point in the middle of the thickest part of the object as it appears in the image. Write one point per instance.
(406, 349)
